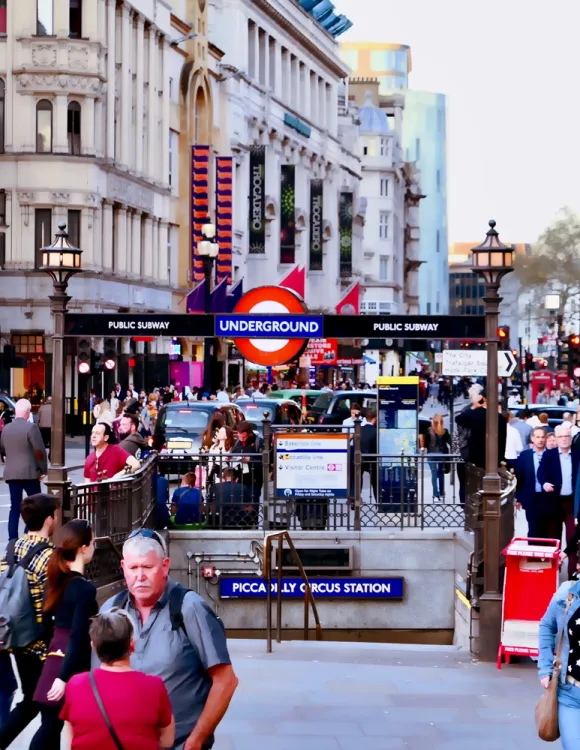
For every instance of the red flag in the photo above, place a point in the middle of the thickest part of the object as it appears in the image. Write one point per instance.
(350, 303)
(295, 280)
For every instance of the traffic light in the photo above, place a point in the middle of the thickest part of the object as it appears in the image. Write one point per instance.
(530, 364)
(574, 356)
(503, 334)
(84, 356)
(110, 354)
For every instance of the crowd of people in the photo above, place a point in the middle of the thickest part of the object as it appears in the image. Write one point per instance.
(161, 673)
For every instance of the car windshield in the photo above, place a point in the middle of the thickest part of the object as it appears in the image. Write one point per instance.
(321, 403)
(310, 400)
(257, 412)
(192, 421)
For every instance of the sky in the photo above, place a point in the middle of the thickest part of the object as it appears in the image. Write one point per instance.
(510, 70)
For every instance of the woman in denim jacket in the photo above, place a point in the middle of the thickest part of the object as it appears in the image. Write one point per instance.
(569, 688)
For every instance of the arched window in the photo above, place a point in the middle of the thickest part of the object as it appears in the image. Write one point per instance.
(73, 128)
(2, 111)
(44, 17)
(44, 127)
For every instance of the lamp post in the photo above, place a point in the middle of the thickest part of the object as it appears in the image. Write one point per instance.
(552, 304)
(492, 260)
(60, 261)
(208, 250)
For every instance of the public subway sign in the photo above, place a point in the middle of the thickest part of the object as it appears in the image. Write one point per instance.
(435, 327)
(130, 326)
(246, 587)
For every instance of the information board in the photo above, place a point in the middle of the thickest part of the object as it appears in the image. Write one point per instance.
(311, 466)
(245, 587)
(398, 415)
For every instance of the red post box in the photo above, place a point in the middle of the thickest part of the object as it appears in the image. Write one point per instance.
(531, 579)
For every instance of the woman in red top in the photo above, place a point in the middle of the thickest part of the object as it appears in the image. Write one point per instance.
(137, 705)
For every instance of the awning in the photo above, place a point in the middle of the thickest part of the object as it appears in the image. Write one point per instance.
(369, 360)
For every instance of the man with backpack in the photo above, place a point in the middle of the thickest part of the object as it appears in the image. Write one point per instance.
(22, 582)
(177, 638)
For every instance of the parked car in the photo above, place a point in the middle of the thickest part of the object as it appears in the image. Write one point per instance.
(334, 408)
(180, 426)
(555, 413)
(280, 411)
(9, 404)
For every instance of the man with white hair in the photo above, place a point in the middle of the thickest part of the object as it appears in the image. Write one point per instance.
(178, 638)
(557, 474)
(570, 419)
(24, 454)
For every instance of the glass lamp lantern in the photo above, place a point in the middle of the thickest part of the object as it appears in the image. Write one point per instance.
(61, 260)
(492, 259)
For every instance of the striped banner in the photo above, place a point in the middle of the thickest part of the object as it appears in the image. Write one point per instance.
(224, 216)
(199, 203)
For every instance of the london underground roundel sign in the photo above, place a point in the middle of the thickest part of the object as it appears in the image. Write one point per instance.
(273, 300)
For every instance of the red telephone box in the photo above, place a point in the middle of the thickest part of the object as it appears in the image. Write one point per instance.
(531, 579)
(538, 379)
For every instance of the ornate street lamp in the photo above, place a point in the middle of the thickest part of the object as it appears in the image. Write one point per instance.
(208, 250)
(60, 261)
(492, 260)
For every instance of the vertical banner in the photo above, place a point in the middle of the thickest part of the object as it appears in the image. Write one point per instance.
(345, 207)
(287, 211)
(257, 218)
(316, 216)
(199, 203)
(224, 217)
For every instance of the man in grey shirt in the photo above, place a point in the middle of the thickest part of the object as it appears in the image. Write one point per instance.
(24, 454)
(189, 652)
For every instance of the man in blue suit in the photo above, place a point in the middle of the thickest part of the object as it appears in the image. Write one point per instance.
(530, 495)
(557, 474)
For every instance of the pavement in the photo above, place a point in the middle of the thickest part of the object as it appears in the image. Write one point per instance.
(346, 696)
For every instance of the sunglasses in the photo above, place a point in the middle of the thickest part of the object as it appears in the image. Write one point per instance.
(148, 534)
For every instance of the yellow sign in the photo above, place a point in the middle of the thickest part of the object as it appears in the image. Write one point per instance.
(403, 380)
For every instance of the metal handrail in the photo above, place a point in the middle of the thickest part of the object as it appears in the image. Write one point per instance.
(308, 597)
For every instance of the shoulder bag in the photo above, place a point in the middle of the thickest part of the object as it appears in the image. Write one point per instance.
(104, 714)
(547, 708)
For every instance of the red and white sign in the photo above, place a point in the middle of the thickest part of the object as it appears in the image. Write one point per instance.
(322, 351)
(277, 301)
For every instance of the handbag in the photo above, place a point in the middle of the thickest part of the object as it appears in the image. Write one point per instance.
(103, 711)
(547, 707)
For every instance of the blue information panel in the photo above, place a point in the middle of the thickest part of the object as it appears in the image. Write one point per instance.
(269, 326)
(246, 587)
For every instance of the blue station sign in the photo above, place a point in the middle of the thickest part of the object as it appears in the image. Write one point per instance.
(246, 587)
(269, 326)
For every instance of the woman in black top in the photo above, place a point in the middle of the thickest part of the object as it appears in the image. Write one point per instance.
(70, 602)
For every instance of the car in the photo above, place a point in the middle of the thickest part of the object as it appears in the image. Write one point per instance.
(280, 411)
(180, 426)
(9, 404)
(555, 413)
(334, 408)
(297, 395)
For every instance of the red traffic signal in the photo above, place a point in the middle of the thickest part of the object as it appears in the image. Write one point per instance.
(503, 333)
(574, 340)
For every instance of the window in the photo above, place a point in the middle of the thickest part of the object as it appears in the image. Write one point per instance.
(437, 241)
(2, 16)
(437, 303)
(44, 127)
(44, 17)
(252, 49)
(384, 225)
(384, 146)
(417, 149)
(438, 180)
(28, 345)
(42, 230)
(73, 227)
(428, 308)
(272, 59)
(75, 19)
(384, 187)
(2, 208)
(172, 158)
(2, 107)
(73, 128)
(384, 268)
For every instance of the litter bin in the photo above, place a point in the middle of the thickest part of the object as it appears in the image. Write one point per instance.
(531, 579)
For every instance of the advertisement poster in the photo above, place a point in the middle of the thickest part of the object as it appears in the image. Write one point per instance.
(322, 352)
(224, 217)
(316, 218)
(257, 218)
(345, 209)
(287, 211)
(311, 465)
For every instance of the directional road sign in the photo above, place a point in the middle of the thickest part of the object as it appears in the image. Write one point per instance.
(473, 363)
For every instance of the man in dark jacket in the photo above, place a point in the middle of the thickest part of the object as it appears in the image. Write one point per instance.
(232, 501)
(249, 468)
(474, 419)
(368, 449)
(131, 440)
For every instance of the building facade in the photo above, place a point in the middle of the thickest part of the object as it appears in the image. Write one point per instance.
(424, 141)
(86, 101)
(295, 184)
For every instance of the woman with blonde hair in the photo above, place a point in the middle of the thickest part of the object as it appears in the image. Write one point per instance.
(437, 442)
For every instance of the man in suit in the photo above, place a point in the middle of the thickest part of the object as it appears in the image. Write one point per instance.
(22, 448)
(557, 474)
(530, 495)
(368, 449)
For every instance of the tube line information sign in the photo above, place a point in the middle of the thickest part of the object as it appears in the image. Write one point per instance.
(471, 327)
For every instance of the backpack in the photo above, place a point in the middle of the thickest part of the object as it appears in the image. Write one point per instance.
(18, 625)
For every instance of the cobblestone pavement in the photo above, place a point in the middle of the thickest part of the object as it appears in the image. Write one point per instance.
(345, 696)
